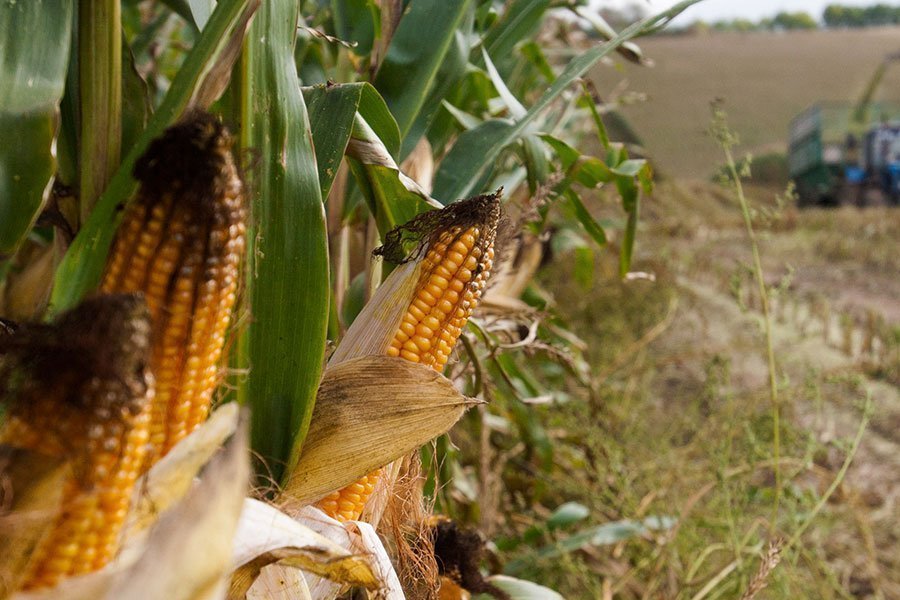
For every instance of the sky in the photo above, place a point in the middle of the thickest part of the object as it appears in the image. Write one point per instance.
(714, 10)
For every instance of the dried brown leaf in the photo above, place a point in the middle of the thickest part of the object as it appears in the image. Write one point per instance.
(369, 412)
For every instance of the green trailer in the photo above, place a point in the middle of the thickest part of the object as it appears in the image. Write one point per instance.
(816, 151)
(824, 140)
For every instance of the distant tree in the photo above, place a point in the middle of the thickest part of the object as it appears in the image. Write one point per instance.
(744, 25)
(882, 14)
(838, 15)
(794, 20)
(834, 15)
(741, 25)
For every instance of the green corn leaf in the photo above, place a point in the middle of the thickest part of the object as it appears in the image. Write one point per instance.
(519, 589)
(628, 50)
(203, 70)
(34, 57)
(628, 190)
(466, 120)
(332, 109)
(588, 171)
(136, 106)
(481, 149)
(601, 535)
(535, 55)
(356, 21)
(566, 514)
(415, 54)
(287, 272)
(392, 197)
(535, 153)
(587, 220)
(520, 20)
(388, 198)
(100, 98)
(374, 110)
(515, 108)
(450, 74)
(476, 150)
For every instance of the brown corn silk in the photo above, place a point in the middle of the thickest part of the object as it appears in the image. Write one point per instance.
(456, 248)
(79, 389)
(181, 243)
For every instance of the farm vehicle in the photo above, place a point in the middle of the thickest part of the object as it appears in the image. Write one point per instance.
(847, 153)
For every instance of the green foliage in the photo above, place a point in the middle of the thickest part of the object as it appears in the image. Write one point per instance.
(32, 75)
(841, 15)
(793, 20)
(81, 267)
(287, 243)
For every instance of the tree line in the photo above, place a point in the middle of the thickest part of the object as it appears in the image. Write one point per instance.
(834, 16)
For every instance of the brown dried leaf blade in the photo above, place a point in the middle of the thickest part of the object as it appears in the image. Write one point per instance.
(370, 411)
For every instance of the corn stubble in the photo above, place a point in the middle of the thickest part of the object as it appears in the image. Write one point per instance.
(454, 254)
(78, 390)
(181, 243)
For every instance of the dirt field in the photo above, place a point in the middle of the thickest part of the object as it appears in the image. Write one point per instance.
(764, 78)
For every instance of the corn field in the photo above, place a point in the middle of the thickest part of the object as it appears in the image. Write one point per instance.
(257, 257)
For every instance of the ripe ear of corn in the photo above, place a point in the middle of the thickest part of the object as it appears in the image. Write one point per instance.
(181, 243)
(456, 250)
(79, 389)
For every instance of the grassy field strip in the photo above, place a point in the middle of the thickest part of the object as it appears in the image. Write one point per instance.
(876, 469)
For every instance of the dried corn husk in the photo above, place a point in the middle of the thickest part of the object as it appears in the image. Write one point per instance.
(31, 488)
(372, 331)
(512, 276)
(267, 535)
(369, 412)
(172, 477)
(358, 538)
(187, 553)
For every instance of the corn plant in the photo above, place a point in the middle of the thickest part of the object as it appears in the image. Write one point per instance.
(234, 164)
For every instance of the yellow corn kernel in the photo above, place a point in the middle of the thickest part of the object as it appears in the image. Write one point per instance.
(344, 504)
(181, 243)
(447, 292)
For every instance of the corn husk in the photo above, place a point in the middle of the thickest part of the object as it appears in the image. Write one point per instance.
(267, 535)
(511, 277)
(359, 540)
(186, 555)
(31, 487)
(374, 328)
(279, 583)
(27, 290)
(172, 477)
(370, 411)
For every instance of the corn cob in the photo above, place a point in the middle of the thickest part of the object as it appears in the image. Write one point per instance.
(181, 243)
(458, 256)
(80, 389)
